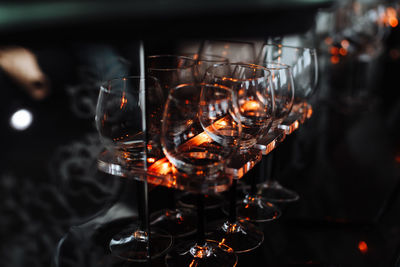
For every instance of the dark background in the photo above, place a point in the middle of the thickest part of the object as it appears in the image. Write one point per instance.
(344, 162)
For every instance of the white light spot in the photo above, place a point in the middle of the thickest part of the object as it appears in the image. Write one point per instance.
(21, 119)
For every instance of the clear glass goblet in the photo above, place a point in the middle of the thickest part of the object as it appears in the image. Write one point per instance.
(120, 117)
(255, 207)
(304, 65)
(170, 70)
(199, 135)
(251, 86)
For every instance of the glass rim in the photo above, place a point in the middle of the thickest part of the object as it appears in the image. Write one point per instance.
(104, 85)
(279, 65)
(217, 57)
(312, 49)
(171, 56)
(254, 66)
(201, 84)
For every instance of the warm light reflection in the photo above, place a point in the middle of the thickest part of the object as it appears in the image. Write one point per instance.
(309, 112)
(124, 100)
(363, 247)
(161, 166)
(151, 160)
(251, 105)
(335, 59)
(343, 51)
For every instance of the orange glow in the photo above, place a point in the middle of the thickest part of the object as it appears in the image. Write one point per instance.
(192, 263)
(334, 50)
(343, 51)
(335, 59)
(363, 247)
(165, 168)
(328, 40)
(151, 160)
(149, 146)
(397, 158)
(221, 123)
(345, 44)
(124, 100)
(393, 22)
(251, 105)
(309, 112)
(222, 242)
(161, 166)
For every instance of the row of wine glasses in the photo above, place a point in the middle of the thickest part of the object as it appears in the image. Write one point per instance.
(210, 108)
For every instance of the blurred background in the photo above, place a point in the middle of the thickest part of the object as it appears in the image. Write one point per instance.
(344, 161)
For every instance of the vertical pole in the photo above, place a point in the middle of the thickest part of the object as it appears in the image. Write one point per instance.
(145, 192)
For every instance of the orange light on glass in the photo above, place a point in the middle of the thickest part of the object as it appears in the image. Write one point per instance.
(335, 59)
(309, 112)
(251, 105)
(161, 166)
(343, 51)
(124, 100)
(363, 247)
(151, 160)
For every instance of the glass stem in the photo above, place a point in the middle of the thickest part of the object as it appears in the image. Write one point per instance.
(232, 202)
(253, 181)
(268, 170)
(200, 220)
(143, 210)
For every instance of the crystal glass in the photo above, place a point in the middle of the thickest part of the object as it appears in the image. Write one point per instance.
(170, 70)
(199, 135)
(304, 64)
(254, 207)
(252, 88)
(254, 96)
(234, 51)
(120, 122)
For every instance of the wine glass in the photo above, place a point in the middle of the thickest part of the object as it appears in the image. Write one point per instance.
(170, 70)
(199, 135)
(234, 51)
(251, 85)
(119, 121)
(304, 65)
(254, 207)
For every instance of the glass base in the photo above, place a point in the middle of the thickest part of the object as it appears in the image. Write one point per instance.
(257, 209)
(131, 244)
(276, 193)
(240, 236)
(209, 254)
(178, 222)
(210, 201)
